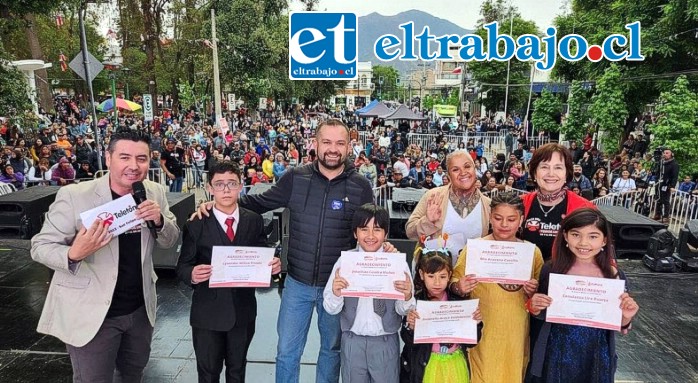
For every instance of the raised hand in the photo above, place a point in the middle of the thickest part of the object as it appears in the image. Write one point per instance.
(338, 284)
(434, 208)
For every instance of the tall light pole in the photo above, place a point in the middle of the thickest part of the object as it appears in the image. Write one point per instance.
(86, 66)
(112, 67)
(216, 73)
(530, 93)
(380, 88)
(506, 92)
(127, 71)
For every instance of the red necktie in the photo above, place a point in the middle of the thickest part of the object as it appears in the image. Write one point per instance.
(229, 231)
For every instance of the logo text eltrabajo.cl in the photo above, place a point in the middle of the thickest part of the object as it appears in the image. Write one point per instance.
(544, 51)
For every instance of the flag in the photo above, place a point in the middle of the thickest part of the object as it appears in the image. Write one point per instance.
(111, 34)
(457, 70)
(59, 20)
(63, 61)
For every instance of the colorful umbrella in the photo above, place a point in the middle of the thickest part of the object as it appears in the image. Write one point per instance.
(120, 103)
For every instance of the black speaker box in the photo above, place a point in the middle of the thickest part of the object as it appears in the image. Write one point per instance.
(181, 205)
(631, 231)
(687, 250)
(22, 212)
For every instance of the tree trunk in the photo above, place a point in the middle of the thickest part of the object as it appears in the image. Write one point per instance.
(43, 91)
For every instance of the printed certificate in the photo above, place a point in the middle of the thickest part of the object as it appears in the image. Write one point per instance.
(446, 322)
(500, 261)
(237, 266)
(585, 301)
(120, 213)
(371, 275)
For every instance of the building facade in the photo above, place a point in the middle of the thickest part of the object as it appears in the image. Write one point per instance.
(357, 93)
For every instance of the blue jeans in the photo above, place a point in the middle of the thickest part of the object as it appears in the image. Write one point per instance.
(197, 175)
(176, 185)
(295, 314)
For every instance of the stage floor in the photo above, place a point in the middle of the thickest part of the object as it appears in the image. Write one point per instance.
(661, 347)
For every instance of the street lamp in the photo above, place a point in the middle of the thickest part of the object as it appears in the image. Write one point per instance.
(112, 67)
(127, 71)
(380, 88)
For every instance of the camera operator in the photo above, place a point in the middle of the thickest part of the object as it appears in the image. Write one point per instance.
(669, 174)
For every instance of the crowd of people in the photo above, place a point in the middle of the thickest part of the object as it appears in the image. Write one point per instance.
(184, 145)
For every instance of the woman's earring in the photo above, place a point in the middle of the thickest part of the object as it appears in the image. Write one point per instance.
(567, 245)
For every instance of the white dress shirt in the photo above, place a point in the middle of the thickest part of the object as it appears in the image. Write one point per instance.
(367, 322)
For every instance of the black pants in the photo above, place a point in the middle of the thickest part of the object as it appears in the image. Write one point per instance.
(664, 203)
(212, 348)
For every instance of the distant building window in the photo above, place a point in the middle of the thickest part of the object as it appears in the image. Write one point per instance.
(364, 81)
(448, 66)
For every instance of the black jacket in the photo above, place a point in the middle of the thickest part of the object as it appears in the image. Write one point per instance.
(415, 357)
(320, 220)
(671, 173)
(218, 309)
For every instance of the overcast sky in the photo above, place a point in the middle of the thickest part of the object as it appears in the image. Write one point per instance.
(463, 13)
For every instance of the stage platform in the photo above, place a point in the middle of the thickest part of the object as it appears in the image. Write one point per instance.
(661, 347)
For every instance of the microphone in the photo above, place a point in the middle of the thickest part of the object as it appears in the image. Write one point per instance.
(139, 196)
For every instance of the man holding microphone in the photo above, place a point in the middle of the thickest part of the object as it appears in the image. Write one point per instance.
(102, 299)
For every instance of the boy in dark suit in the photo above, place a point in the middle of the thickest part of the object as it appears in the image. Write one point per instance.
(222, 319)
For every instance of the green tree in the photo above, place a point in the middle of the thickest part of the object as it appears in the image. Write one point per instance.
(14, 99)
(492, 74)
(452, 98)
(608, 108)
(668, 44)
(388, 88)
(22, 17)
(428, 102)
(66, 40)
(546, 112)
(575, 126)
(677, 125)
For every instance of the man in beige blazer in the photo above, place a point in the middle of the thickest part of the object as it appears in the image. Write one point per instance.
(102, 299)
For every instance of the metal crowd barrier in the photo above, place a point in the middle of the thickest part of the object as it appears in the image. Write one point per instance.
(684, 206)
(494, 142)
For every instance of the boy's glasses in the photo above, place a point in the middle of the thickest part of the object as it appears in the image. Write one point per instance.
(230, 185)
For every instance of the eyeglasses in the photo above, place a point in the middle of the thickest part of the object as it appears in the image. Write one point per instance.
(230, 185)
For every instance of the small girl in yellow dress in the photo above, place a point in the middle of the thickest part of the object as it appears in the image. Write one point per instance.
(437, 362)
(503, 352)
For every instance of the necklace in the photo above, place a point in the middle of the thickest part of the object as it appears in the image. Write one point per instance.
(545, 213)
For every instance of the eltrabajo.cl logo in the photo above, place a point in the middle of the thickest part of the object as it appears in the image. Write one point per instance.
(322, 46)
(544, 51)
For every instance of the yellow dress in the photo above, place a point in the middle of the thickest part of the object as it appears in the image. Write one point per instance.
(502, 353)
